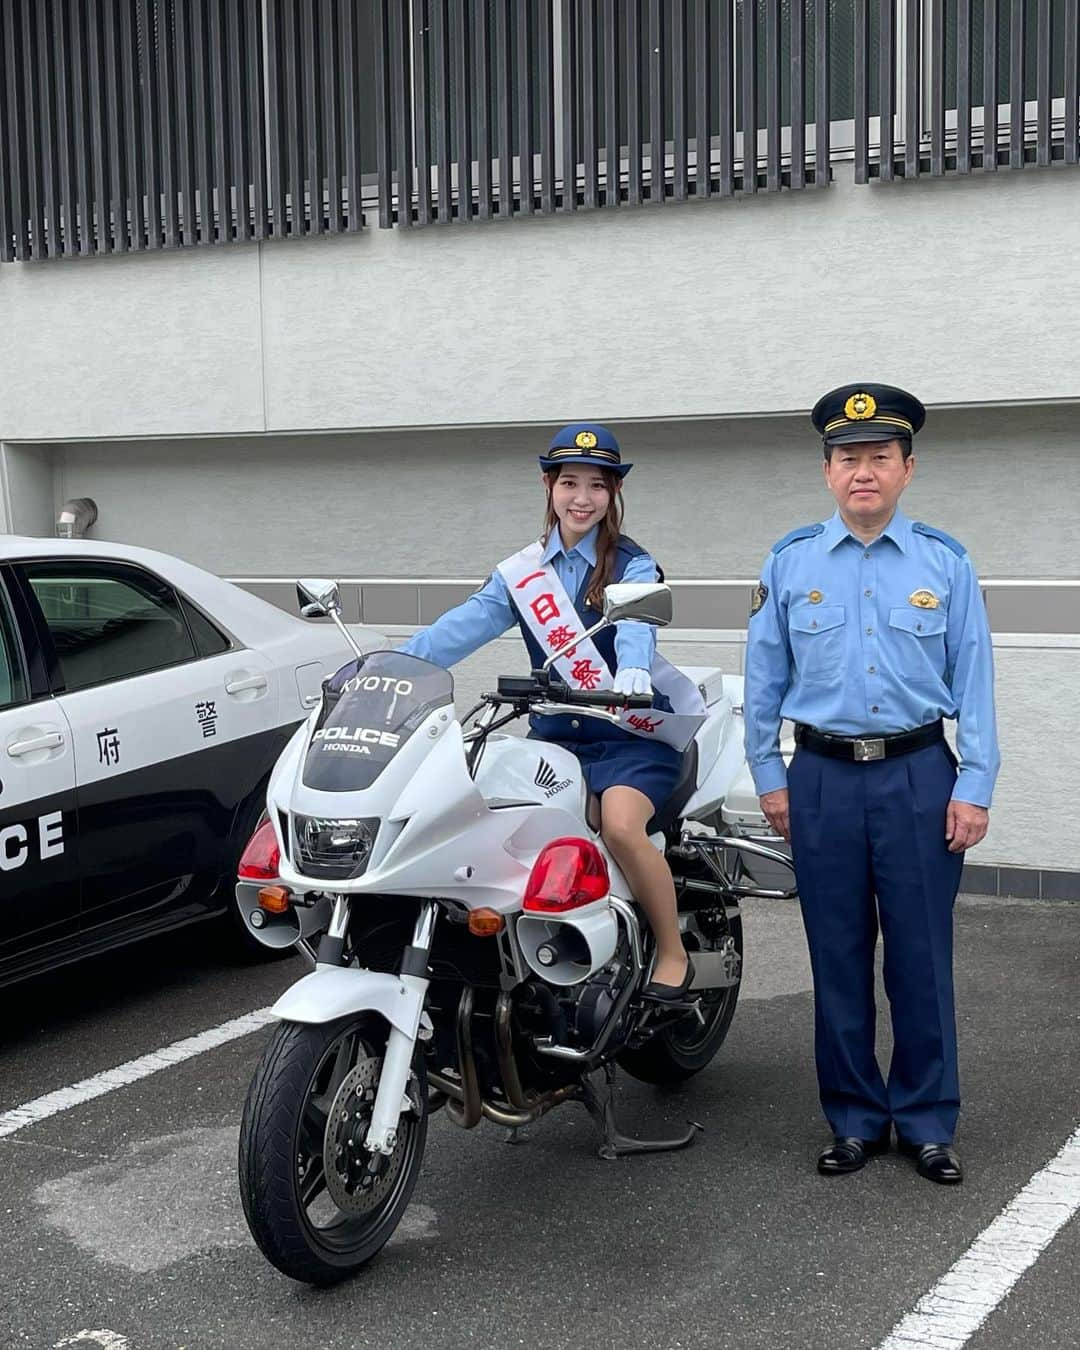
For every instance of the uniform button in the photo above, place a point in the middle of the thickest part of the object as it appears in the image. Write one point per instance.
(918, 627)
(868, 592)
(874, 708)
(866, 554)
(871, 669)
(813, 623)
(575, 723)
(869, 630)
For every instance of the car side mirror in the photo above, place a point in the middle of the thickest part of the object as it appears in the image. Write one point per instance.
(646, 601)
(317, 597)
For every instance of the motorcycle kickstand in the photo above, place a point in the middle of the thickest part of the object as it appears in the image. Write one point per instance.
(600, 1104)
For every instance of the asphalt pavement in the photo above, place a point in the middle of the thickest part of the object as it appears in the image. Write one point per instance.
(122, 1220)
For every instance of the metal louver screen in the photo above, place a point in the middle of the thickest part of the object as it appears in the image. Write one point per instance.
(144, 124)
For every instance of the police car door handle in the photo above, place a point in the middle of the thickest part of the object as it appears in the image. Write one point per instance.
(245, 682)
(50, 741)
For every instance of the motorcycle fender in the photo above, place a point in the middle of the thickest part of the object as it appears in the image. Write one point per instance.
(330, 992)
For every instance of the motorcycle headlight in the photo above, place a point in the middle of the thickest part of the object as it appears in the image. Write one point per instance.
(337, 850)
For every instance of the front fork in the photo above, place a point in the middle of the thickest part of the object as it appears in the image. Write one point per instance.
(391, 1096)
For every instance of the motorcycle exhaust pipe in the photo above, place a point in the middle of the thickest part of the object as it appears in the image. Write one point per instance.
(277, 931)
(567, 950)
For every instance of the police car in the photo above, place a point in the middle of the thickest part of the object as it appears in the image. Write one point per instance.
(143, 702)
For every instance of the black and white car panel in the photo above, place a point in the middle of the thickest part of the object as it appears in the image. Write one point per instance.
(143, 702)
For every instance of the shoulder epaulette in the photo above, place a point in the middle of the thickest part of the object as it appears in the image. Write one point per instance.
(803, 532)
(633, 549)
(950, 543)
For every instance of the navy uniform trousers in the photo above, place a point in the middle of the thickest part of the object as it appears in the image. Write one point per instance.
(868, 843)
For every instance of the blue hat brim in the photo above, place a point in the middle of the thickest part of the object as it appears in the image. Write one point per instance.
(621, 470)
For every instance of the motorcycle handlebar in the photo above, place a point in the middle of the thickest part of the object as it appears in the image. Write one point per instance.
(607, 698)
(532, 690)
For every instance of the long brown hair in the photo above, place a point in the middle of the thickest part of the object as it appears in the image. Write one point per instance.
(607, 536)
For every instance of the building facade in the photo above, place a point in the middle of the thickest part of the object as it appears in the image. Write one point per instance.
(302, 286)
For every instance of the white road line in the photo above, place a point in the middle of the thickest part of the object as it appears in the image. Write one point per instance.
(965, 1296)
(110, 1079)
(108, 1340)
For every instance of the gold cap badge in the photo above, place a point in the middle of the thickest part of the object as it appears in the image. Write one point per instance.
(859, 407)
(924, 599)
(585, 440)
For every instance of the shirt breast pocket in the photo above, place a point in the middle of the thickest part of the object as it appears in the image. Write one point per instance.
(917, 644)
(817, 641)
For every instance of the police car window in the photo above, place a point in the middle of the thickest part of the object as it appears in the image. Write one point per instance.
(109, 621)
(12, 684)
(208, 640)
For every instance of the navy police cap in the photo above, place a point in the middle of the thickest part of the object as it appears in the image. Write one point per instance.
(585, 443)
(867, 412)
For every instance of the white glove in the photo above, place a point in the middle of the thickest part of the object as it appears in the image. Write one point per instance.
(633, 680)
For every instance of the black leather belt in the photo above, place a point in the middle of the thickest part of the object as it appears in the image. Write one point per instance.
(865, 748)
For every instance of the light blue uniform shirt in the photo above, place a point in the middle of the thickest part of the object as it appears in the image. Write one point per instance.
(861, 658)
(490, 612)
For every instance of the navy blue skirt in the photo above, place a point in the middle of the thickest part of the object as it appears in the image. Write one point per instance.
(650, 766)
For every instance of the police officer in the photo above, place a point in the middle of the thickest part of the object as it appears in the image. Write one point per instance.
(866, 631)
(553, 589)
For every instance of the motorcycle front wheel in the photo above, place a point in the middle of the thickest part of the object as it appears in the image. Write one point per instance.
(318, 1205)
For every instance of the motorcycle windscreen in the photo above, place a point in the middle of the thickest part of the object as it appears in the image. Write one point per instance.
(370, 708)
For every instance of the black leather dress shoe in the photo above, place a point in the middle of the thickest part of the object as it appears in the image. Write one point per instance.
(671, 993)
(848, 1154)
(935, 1162)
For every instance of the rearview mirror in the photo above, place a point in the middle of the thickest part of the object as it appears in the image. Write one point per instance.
(317, 597)
(646, 601)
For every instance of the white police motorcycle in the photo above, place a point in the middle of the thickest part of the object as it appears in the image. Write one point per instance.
(477, 949)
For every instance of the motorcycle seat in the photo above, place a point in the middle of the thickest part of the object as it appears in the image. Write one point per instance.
(683, 790)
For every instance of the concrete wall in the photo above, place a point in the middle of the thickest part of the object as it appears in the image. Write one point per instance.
(443, 357)
(709, 498)
(28, 485)
(700, 310)
(1035, 820)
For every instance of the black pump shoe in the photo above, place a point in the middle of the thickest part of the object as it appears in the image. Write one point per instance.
(670, 993)
(847, 1154)
(935, 1162)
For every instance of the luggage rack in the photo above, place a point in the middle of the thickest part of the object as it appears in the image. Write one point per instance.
(707, 847)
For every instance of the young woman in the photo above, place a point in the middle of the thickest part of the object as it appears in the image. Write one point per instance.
(554, 590)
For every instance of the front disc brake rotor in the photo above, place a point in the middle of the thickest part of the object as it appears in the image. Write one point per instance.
(359, 1181)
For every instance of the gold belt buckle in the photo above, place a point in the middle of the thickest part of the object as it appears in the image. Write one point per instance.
(867, 750)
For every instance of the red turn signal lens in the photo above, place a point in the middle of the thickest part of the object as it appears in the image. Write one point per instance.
(567, 874)
(275, 899)
(486, 922)
(261, 858)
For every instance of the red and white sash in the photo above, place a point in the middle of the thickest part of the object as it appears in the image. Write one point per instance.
(551, 617)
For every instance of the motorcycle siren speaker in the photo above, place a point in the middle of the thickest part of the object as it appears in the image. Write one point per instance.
(568, 950)
(280, 930)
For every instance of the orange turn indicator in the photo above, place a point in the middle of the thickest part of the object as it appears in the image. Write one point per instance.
(275, 899)
(486, 923)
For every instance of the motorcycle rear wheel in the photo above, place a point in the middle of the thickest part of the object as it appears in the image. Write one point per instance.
(307, 1111)
(684, 1049)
